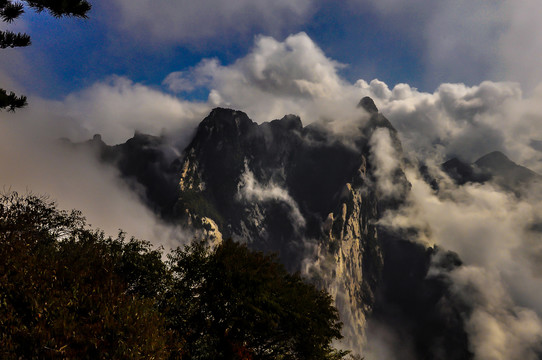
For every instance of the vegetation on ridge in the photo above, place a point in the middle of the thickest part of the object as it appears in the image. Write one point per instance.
(67, 291)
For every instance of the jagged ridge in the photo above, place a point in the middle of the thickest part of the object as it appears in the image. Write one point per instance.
(306, 195)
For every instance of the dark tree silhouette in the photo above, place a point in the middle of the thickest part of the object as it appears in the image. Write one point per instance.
(11, 10)
(234, 303)
(69, 292)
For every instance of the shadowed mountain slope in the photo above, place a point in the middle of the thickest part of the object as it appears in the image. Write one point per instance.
(313, 197)
(494, 167)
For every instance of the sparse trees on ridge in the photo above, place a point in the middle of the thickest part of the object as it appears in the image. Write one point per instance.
(11, 10)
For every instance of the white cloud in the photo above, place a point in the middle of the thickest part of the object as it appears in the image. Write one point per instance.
(195, 21)
(387, 162)
(468, 40)
(295, 76)
(251, 190)
(462, 41)
(498, 329)
(277, 78)
(116, 107)
(458, 40)
(501, 279)
(468, 122)
(30, 162)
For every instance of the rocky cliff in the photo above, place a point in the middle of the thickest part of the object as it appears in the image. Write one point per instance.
(314, 197)
(305, 193)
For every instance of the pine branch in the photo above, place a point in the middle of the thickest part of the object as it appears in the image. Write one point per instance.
(59, 8)
(11, 101)
(10, 39)
(10, 11)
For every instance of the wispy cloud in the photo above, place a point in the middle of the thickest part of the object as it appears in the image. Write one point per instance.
(491, 232)
(208, 20)
(497, 328)
(251, 190)
(387, 162)
(32, 159)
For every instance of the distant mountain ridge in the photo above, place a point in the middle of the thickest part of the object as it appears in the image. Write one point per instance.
(148, 164)
(493, 167)
(311, 197)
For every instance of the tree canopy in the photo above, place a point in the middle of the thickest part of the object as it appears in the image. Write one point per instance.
(67, 291)
(11, 10)
(241, 301)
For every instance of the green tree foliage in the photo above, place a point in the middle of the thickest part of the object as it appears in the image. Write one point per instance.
(11, 10)
(67, 292)
(231, 300)
(70, 292)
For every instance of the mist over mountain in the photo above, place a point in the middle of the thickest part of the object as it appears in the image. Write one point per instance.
(419, 209)
(421, 264)
(148, 164)
(322, 200)
(494, 167)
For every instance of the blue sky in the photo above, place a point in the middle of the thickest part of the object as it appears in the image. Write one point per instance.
(152, 65)
(156, 65)
(372, 41)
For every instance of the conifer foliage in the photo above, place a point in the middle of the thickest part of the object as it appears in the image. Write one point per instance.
(10, 10)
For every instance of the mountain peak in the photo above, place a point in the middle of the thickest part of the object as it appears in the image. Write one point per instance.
(289, 122)
(226, 121)
(493, 158)
(226, 116)
(368, 105)
(495, 167)
(499, 164)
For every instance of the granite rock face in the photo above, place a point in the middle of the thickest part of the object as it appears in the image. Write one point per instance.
(314, 197)
(304, 193)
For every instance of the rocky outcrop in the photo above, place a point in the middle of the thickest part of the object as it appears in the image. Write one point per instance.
(301, 192)
(354, 258)
(313, 197)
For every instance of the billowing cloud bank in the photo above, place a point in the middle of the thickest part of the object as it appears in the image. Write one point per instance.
(494, 232)
(33, 160)
(295, 76)
(461, 40)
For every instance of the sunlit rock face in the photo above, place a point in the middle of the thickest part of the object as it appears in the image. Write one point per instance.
(305, 193)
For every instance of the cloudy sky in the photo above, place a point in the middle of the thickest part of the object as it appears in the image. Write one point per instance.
(459, 75)
(455, 78)
(422, 42)
(178, 59)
